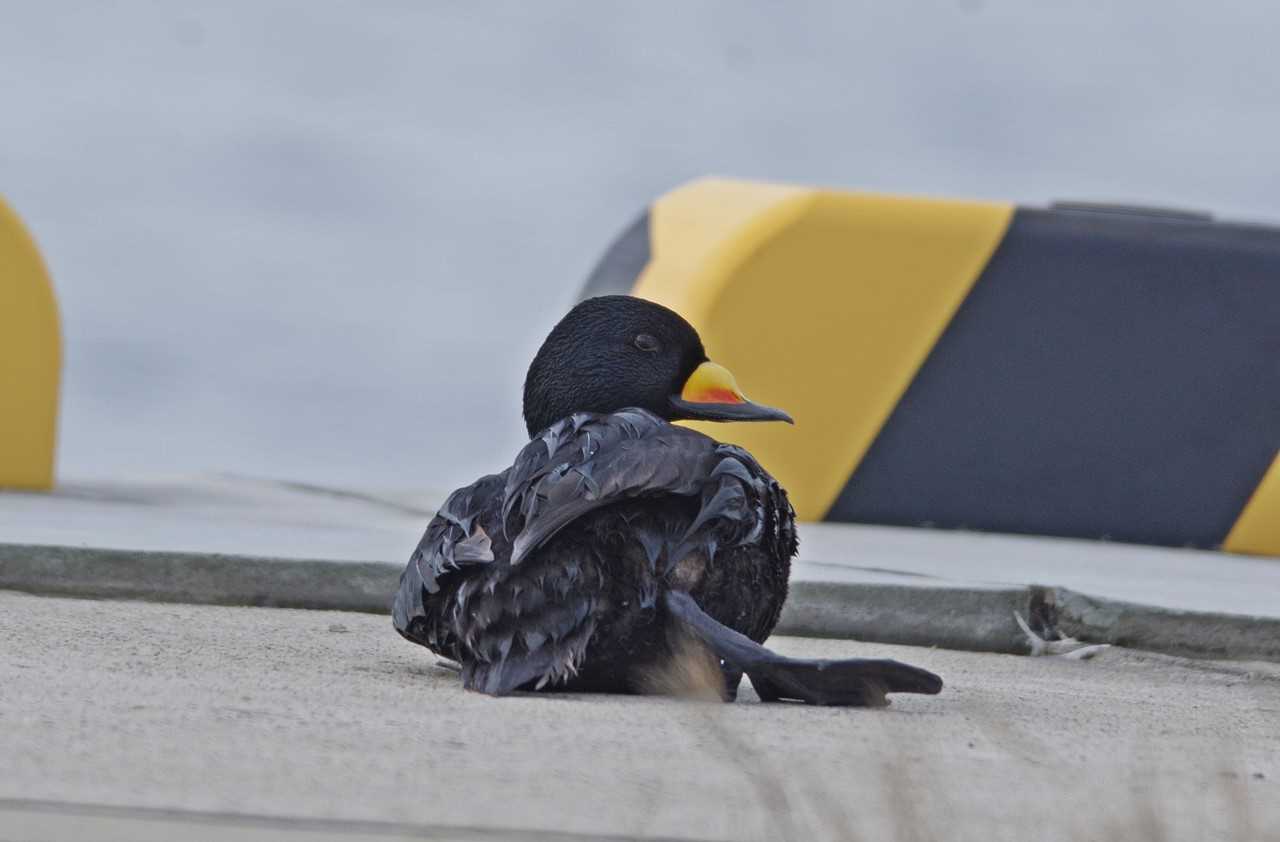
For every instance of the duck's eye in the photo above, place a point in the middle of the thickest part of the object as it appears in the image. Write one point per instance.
(645, 342)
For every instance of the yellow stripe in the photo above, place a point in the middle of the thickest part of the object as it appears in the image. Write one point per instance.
(30, 360)
(1258, 528)
(872, 279)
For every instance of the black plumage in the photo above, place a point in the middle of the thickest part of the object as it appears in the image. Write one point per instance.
(614, 532)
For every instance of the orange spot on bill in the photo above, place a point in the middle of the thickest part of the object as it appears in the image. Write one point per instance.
(718, 396)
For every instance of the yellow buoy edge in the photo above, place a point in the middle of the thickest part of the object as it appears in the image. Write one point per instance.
(873, 280)
(30, 360)
(1257, 530)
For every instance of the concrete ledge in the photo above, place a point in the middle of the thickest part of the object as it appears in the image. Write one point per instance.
(979, 619)
(198, 578)
(1192, 633)
(927, 612)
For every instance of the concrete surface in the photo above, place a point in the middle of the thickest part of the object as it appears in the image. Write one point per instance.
(225, 514)
(220, 514)
(243, 541)
(32, 820)
(225, 718)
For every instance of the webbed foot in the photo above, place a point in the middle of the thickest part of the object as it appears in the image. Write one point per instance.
(854, 682)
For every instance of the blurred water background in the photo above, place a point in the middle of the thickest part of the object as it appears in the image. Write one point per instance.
(321, 241)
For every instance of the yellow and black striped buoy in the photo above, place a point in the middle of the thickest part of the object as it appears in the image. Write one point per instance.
(1083, 370)
(30, 360)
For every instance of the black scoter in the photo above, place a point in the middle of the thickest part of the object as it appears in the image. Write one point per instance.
(616, 534)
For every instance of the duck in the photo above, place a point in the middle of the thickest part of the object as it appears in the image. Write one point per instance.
(618, 541)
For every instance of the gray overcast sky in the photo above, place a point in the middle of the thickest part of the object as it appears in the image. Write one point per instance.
(322, 240)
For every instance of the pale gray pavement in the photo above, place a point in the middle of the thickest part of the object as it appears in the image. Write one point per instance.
(259, 517)
(325, 715)
(237, 540)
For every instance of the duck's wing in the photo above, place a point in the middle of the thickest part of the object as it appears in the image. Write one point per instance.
(455, 538)
(588, 461)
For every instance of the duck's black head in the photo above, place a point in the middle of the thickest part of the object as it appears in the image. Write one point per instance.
(616, 351)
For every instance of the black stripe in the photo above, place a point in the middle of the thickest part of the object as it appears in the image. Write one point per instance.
(1107, 376)
(618, 270)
